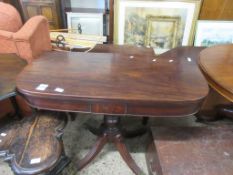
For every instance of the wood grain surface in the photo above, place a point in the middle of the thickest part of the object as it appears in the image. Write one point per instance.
(111, 83)
(216, 10)
(10, 66)
(191, 150)
(33, 145)
(217, 65)
(123, 49)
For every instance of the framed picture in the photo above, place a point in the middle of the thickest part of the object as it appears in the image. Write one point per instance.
(151, 23)
(85, 23)
(211, 33)
(161, 32)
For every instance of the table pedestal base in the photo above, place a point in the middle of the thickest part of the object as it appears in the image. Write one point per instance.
(110, 131)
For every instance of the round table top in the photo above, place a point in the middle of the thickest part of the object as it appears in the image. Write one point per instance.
(217, 65)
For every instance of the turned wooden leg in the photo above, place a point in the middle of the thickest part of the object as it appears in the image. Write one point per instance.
(110, 131)
(126, 155)
(101, 141)
(126, 133)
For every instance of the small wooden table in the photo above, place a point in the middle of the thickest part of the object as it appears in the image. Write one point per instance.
(115, 85)
(191, 150)
(10, 66)
(216, 64)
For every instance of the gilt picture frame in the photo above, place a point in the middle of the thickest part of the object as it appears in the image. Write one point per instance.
(211, 32)
(161, 32)
(130, 20)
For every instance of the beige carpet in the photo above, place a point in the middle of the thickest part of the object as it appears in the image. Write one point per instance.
(78, 141)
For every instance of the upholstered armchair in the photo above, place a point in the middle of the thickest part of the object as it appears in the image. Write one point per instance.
(29, 40)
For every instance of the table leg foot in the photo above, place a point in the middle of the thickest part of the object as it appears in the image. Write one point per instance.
(101, 141)
(126, 155)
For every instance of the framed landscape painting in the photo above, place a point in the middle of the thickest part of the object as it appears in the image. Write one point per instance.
(211, 33)
(161, 24)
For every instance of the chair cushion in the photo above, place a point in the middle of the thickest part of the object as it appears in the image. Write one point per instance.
(10, 19)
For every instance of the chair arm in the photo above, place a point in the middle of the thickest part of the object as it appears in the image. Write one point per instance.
(33, 38)
(31, 28)
(5, 34)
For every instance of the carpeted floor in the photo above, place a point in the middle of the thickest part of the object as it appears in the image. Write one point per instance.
(78, 140)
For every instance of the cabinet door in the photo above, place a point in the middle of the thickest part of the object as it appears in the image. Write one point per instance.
(40, 7)
(50, 13)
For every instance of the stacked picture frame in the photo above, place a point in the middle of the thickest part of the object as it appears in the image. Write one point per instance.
(161, 24)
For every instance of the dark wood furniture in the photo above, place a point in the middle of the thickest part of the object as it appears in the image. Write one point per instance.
(10, 67)
(123, 49)
(216, 64)
(34, 145)
(21, 141)
(190, 150)
(48, 8)
(115, 85)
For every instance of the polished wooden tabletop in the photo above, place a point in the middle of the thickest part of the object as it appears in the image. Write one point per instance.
(112, 83)
(123, 49)
(217, 65)
(10, 67)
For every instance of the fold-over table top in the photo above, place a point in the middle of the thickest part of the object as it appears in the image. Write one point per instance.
(169, 81)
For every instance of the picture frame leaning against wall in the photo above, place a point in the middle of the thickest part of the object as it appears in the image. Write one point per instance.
(131, 22)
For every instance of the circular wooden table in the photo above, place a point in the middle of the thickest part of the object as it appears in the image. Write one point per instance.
(217, 65)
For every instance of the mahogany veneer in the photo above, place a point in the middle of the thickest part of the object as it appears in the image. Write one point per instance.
(115, 83)
(216, 64)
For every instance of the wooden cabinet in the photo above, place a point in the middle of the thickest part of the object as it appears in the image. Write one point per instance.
(48, 8)
(217, 10)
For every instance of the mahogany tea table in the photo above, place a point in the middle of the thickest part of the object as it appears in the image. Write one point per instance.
(216, 64)
(116, 85)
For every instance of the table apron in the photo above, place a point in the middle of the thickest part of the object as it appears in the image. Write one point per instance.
(117, 108)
